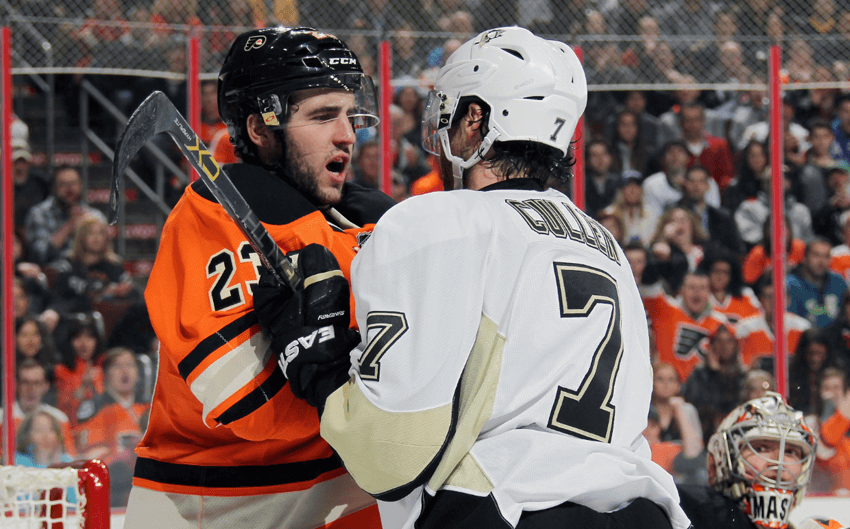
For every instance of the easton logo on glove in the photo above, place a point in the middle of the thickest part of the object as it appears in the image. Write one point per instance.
(320, 335)
(308, 328)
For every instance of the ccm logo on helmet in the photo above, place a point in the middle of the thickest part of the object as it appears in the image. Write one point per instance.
(256, 42)
(342, 60)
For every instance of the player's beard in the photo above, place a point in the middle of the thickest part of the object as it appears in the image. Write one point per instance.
(302, 177)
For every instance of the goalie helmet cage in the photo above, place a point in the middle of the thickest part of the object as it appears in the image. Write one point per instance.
(71, 495)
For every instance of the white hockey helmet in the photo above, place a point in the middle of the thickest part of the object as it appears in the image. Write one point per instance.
(535, 88)
(768, 495)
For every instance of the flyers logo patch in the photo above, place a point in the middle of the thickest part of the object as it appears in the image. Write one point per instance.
(255, 43)
(688, 341)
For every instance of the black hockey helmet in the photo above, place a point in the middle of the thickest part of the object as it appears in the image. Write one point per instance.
(265, 66)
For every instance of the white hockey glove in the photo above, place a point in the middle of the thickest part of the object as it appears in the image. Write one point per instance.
(309, 328)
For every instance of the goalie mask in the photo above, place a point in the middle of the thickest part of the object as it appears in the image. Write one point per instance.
(535, 88)
(762, 455)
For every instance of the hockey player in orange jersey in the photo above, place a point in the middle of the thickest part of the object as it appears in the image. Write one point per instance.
(228, 444)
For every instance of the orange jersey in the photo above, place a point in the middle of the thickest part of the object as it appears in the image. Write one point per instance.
(757, 339)
(222, 150)
(833, 435)
(430, 182)
(223, 420)
(102, 421)
(209, 131)
(664, 452)
(757, 262)
(67, 383)
(839, 261)
(736, 308)
(679, 338)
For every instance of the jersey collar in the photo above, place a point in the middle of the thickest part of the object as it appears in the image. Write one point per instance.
(529, 184)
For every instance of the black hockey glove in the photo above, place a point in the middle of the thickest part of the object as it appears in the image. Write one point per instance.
(309, 328)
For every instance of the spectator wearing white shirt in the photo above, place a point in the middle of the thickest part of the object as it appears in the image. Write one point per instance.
(759, 131)
(664, 188)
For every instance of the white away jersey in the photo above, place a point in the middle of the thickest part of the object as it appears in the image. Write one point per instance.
(505, 353)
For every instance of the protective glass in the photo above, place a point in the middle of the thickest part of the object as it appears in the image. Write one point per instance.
(274, 104)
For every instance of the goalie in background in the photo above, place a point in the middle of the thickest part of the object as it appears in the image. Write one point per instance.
(760, 461)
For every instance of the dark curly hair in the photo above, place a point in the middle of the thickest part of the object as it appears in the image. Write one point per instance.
(721, 255)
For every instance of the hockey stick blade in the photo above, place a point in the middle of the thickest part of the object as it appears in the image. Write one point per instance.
(158, 114)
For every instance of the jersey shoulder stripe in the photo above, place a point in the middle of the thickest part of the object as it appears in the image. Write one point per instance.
(213, 342)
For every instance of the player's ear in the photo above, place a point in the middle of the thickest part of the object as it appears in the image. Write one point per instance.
(259, 133)
(472, 122)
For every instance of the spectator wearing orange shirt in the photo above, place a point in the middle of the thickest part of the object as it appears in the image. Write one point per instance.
(79, 376)
(833, 434)
(758, 260)
(756, 332)
(222, 148)
(682, 324)
(211, 122)
(728, 293)
(111, 422)
(826, 475)
(430, 182)
(839, 256)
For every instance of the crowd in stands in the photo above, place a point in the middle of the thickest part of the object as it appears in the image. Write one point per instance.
(681, 179)
(82, 384)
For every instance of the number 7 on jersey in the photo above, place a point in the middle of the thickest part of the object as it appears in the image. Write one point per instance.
(587, 412)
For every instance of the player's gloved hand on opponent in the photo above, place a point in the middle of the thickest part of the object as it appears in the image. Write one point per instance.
(309, 328)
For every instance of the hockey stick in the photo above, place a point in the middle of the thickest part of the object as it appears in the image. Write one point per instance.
(157, 114)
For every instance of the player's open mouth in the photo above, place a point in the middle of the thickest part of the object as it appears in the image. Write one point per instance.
(338, 165)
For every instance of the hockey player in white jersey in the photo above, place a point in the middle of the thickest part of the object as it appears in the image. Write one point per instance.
(503, 379)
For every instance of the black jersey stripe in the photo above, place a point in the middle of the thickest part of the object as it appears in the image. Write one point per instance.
(213, 342)
(252, 401)
(233, 476)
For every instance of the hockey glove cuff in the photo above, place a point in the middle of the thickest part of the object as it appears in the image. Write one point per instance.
(309, 328)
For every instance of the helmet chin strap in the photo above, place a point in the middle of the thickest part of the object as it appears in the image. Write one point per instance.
(458, 163)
